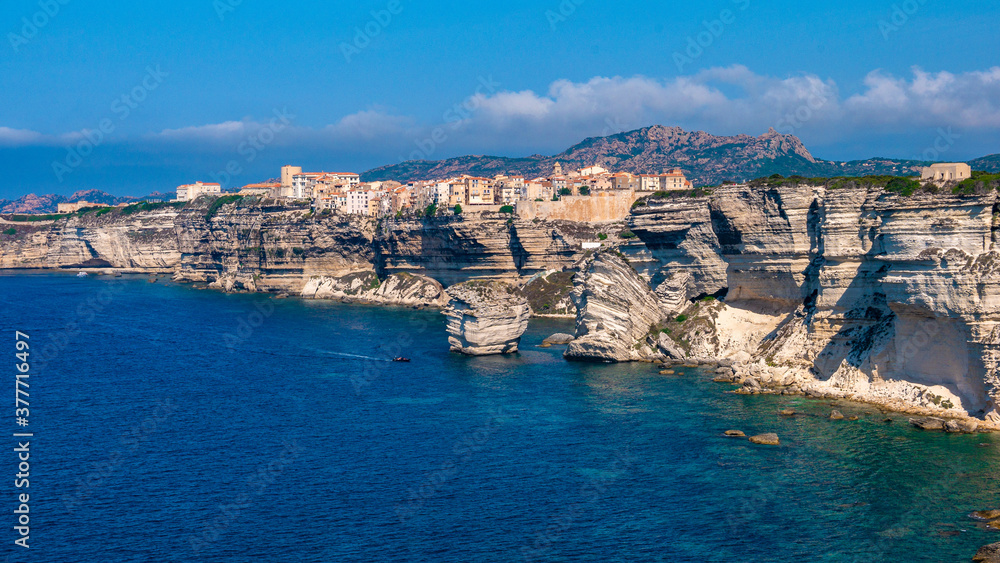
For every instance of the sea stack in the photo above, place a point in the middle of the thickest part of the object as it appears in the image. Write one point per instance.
(615, 311)
(485, 317)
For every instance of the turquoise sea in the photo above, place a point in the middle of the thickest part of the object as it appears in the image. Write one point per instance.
(178, 424)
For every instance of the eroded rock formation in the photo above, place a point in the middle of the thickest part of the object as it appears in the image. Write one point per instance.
(616, 311)
(366, 287)
(485, 317)
(259, 246)
(854, 293)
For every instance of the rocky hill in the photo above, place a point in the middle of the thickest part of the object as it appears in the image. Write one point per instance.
(987, 163)
(32, 203)
(707, 159)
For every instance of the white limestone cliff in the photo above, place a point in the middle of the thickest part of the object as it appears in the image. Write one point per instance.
(616, 311)
(485, 317)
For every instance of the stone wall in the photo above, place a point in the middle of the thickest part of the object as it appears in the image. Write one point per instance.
(598, 207)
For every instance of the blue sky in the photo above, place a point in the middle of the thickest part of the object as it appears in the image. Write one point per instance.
(366, 83)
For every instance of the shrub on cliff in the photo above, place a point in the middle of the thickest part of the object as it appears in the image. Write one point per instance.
(903, 186)
(507, 209)
(458, 209)
(218, 203)
(11, 231)
(980, 182)
(584, 190)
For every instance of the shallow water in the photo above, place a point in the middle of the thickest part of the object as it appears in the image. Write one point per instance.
(180, 424)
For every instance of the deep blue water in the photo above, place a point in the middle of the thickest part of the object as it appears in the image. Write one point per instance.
(176, 424)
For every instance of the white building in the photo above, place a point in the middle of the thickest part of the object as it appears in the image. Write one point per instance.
(946, 172)
(191, 192)
(304, 182)
(649, 183)
(359, 201)
(593, 171)
(674, 180)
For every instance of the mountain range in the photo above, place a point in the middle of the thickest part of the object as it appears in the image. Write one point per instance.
(706, 159)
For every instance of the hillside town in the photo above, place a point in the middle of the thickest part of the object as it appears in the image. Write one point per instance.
(343, 192)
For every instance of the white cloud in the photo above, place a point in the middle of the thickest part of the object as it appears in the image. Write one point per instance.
(968, 101)
(26, 138)
(724, 100)
(228, 132)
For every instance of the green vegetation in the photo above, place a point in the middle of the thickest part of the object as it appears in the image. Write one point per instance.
(627, 235)
(584, 190)
(602, 236)
(565, 191)
(458, 209)
(681, 318)
(219, 202)
(777, 181)
(11, 231)
(147, 206)
(103, 210)
(33, 218)
(697, 192)
(555, 197)
(507, 209)
(546, 293)
(903, 186)
(539, 199)
(431, 210)
(980, 182)
(298, 251)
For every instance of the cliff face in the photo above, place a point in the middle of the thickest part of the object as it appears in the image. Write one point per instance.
(485, 317)
(615, 311)
(255, 247)
(366, 287)
(455, 249)
(848, 293)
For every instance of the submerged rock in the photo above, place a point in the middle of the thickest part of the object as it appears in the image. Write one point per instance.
(615, 311)
(768, 439)
(836, 415)
(928, 423)
(485, 317)
(735, 433)
(961, 427)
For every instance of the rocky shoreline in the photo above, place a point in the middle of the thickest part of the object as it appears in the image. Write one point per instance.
(850, 293)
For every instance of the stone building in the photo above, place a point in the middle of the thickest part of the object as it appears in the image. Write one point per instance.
(191, 192)
(946, 172)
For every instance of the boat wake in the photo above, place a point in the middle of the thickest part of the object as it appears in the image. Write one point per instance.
(353, 356)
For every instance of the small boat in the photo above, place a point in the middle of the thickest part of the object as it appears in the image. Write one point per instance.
(401, 359)
(82, 275)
